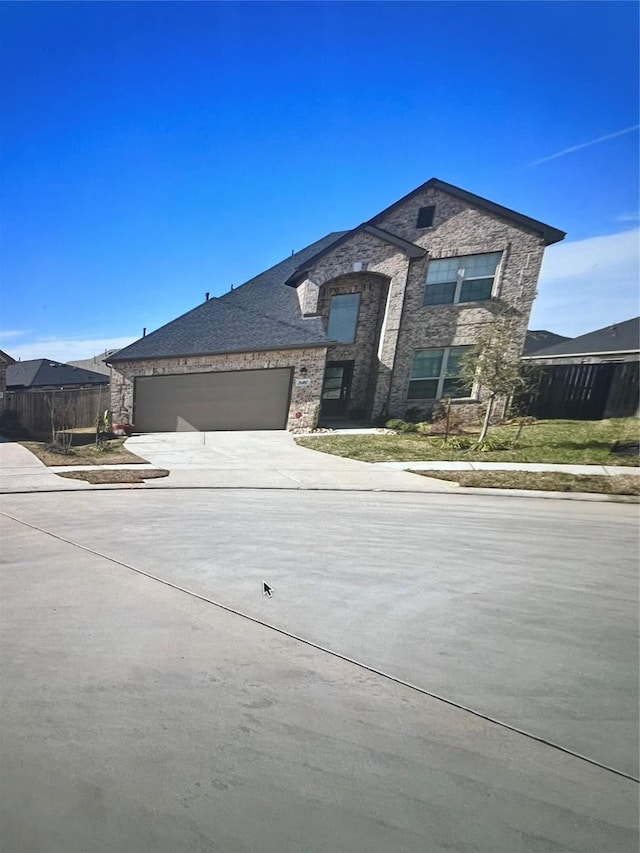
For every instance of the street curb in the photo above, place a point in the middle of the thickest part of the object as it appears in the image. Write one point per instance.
(589, 497)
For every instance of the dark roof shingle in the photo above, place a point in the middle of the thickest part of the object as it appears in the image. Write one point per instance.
(40, 372)
(619, 337)
(262, 314)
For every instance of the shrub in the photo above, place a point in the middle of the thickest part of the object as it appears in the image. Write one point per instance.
(399, 425)
(459, 442)
(491, 444)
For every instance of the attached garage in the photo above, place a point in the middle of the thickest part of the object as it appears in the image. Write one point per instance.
(233, 400)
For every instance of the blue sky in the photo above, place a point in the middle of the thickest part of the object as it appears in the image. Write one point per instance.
(155, 151)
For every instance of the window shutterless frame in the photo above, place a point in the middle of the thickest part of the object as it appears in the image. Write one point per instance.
(435, 374)
(469, 278)
(343, 318)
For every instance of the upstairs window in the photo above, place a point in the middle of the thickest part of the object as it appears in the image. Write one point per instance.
(425, 216)
(343, 318)
(435, 373)
(466, 279)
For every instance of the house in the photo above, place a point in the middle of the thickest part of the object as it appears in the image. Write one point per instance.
(5, 361)
(541, 339)
(96, 363)
(363, 323)
(44, 374)
(590, 377)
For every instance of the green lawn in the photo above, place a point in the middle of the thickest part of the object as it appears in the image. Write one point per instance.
(561, 442)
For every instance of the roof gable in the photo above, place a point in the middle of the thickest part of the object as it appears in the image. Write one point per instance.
(547, 232)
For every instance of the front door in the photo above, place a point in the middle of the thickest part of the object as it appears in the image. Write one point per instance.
(336, 389)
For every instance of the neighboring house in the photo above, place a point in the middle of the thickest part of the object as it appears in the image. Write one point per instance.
(363, 323)
(43, 374)
(590, 377)
(5, 362)
(96, 364)
(541, 339)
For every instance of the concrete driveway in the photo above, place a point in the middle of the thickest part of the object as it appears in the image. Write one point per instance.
(266, 459)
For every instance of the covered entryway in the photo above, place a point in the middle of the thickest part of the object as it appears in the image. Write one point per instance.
(234, 400)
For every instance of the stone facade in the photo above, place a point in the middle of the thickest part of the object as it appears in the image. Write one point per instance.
(308, 364)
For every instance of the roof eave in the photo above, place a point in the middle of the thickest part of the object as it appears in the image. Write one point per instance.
(581, 354)
(317, 345)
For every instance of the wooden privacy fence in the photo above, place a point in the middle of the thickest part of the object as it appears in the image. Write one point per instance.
(582, 391)
(43, 412)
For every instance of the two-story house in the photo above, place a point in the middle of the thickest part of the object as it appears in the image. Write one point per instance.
(367, 322)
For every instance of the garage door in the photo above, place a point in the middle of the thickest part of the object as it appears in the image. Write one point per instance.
(241, 399)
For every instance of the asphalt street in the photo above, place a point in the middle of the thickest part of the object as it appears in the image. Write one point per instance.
(137, 717)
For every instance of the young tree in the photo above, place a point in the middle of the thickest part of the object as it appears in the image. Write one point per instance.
(494, 366)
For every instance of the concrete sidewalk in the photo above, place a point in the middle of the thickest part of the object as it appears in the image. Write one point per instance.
(21, 471)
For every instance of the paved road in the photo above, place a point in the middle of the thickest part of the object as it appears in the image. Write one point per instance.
(139, 718)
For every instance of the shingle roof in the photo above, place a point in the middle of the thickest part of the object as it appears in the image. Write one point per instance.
(618, 338)
(40, 372)
(262, 314)
(541, 339)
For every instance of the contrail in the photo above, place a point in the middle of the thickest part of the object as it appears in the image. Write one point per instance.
(585, 144)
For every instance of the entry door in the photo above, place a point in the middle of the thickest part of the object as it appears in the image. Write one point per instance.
(336, 389)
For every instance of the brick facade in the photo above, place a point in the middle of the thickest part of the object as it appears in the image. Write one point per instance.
(393, 322)
(304, 400)
(407, 325)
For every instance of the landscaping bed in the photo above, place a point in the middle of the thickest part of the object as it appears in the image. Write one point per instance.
(618, 484)
(110, 452)
(559, 442)
(119, 476)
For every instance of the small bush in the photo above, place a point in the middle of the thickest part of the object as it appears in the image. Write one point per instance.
(399, 425)
(459, 442)
(424, 427)
(492, 444)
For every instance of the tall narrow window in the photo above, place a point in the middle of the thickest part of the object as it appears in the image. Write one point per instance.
(466, 279)
(343, 318)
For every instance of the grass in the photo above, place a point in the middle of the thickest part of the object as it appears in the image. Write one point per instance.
(560, 442)
(111, 453)
(619, 484)
(119, 476)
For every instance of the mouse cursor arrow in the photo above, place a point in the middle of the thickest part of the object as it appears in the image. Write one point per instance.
(266, 590)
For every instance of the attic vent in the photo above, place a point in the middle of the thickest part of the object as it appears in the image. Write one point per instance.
(425, 216)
